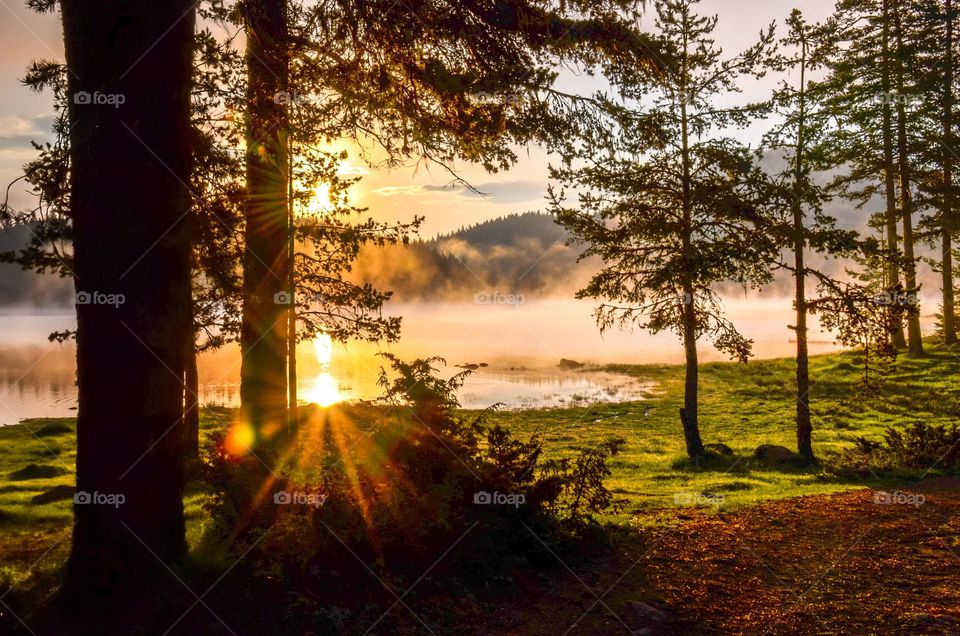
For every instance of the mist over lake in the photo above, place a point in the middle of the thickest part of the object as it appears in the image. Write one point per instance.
(522, 344)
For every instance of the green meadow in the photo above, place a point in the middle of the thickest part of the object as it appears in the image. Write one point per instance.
(742, 406)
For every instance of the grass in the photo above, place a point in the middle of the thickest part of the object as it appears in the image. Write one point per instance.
(744, 406)
(37, 459)
(741, 406)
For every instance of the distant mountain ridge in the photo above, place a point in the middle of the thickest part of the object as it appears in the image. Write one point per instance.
(527, 254)
(516, 254)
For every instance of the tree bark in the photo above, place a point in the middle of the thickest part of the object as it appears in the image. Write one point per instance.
(292, 290)
(191, 405)
(129, 86)
(948, 225)
(804, 425)
(889, 168)
(263, 374)
(914, 334)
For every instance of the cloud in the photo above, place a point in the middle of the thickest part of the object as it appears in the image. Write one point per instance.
(493, 192)
(393, 191)
(17, 131)
(348, 169)
(498, 191)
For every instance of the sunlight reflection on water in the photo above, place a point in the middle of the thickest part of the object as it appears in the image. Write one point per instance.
(522, 346)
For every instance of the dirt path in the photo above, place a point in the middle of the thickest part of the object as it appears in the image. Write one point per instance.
(835, 564)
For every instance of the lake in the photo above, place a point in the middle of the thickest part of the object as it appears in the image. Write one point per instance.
(521, 345)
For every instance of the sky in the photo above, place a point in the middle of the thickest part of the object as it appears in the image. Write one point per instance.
(398, 194)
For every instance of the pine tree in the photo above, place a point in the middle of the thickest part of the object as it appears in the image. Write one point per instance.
(871, 140)
(128, 204)
(671, 206)
(935, 48)
(463, 81)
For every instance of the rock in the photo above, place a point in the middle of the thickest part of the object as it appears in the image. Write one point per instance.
(54, 428)
(37, 471)
(773, 455)
(570, 365)
(719, 448)
(57, 493)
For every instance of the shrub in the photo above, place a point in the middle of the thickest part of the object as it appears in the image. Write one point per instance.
(417, 480)
(920, 446)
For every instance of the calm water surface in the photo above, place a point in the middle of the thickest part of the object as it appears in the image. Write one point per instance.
(521, 346)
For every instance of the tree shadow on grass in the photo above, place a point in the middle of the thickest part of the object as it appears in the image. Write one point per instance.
(717, 465)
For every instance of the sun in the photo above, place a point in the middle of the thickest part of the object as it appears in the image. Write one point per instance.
(324, 389)
(321, 202)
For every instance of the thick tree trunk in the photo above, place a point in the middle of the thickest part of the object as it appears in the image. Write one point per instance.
(948, 222)
(129, 85)
(889, 168)
(914, 335)
(263, 381)
(191, 405)
(804, 426)
(292, 290)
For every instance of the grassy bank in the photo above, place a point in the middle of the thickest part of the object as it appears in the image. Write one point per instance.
(744, 406)
(37, 459)
(741, 406)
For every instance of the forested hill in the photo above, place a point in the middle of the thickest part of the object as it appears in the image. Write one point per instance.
(536, 226)
(527, 254)
(21, 288)
(516, 254)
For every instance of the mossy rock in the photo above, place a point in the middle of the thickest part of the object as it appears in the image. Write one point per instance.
(719, 448)
(54, 428)
(773, 455)
(57, 493)
(37, 471)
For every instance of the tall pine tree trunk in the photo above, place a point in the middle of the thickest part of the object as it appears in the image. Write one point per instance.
(292, 290)
(804, 426)
(263, 375)
(129, 85)
(689, 417)
(948, 224)
(889, 168)
(914, 335)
